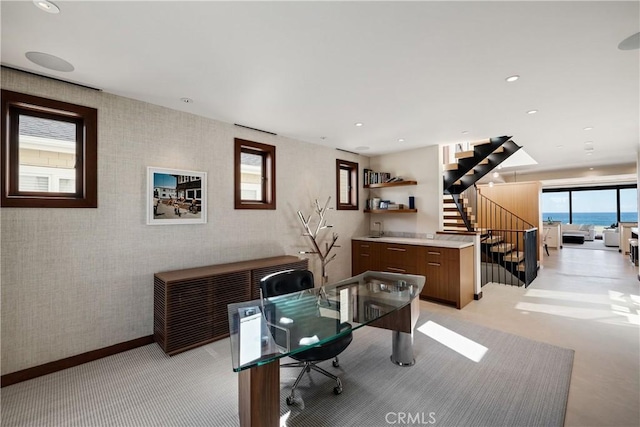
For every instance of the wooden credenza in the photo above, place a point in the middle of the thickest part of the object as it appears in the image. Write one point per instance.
(449, 271)
(190, 306)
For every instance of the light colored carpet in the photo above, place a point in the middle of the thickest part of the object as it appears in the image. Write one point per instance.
(518, 382)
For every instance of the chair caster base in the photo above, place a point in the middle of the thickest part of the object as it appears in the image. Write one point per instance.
(290, 400)
(337, 390)
(336, 363)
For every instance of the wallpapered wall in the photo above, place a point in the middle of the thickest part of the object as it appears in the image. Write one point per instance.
(75, 280)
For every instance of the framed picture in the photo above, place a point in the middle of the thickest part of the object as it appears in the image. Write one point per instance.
(176, 196)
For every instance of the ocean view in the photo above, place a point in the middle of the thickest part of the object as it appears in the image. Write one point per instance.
(595, 218)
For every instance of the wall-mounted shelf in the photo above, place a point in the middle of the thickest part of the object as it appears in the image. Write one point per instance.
(389, 211)
(391, 184)
(388, 185)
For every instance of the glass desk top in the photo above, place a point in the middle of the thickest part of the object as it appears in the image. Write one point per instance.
(262, 331)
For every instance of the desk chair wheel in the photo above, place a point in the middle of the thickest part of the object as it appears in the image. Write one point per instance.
(338, 388)
(336, 363)
(290, 400)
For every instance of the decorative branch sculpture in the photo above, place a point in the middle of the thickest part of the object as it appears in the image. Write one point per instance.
(313, 234)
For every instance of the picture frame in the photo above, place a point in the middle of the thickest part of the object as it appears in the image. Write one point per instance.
(176, 196)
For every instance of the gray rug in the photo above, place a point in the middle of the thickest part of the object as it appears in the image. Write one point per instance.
(517, 382)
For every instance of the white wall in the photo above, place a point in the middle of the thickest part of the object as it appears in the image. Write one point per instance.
(75, 280)
(422, 165)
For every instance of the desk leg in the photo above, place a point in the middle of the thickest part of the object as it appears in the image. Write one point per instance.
(402, 349)
(259, 396)
(402, 323)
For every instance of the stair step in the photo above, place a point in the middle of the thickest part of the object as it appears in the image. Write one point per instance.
(521, 267)
(450, 167)
(499, 150)
(453, 228)
(451, 221)
(449, 198)
(502, 248)
(482, 142)
(484, 162)
(493, 240)
(514, 257)
(465, 154)
(471, 172)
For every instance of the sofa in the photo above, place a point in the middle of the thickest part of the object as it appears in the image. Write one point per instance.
(587, 229)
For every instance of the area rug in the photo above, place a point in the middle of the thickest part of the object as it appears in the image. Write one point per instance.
(515, 382)
(464, 375)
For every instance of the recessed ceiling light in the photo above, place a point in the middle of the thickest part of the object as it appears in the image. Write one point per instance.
(401, 140)
(590, 169)
(187, 100)
(588, 128)
(47, 6)
(362, 148)
(490, 183)
(589, 153)
(512, 79)
(532, 111)
(358, 124)
(496, 174)
(49, 61)
(464, 132)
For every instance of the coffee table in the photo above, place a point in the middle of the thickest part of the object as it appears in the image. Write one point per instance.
(573, 238)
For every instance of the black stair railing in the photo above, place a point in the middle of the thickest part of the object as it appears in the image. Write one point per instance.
(509, 244)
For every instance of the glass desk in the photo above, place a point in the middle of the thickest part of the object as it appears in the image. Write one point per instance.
(263, 331)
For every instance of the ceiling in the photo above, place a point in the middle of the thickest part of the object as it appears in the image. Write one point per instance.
(422, 72)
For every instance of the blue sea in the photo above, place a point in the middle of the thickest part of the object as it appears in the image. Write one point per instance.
(595, 218)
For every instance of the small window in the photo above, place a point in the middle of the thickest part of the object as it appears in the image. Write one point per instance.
(49, 153)
(347, 185)
(255, 175)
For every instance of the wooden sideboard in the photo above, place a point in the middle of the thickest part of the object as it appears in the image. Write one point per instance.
(449, 271)
(190, 306)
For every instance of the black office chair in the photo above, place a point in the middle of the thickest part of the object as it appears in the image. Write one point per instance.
(286, 282)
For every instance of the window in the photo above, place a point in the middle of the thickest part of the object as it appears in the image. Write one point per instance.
(346, 185)
(628, 205)
(555, 206)
(600, 206)
(49, 153)
(255, 175)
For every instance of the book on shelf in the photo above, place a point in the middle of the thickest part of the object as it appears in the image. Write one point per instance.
(371, 177)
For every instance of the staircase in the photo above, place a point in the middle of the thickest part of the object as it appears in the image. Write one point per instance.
(474, 164)
(508, 243)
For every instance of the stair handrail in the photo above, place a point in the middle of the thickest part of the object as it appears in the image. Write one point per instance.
(479, 193)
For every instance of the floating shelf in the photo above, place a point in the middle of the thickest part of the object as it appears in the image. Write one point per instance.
(390, 211)
(391, 184)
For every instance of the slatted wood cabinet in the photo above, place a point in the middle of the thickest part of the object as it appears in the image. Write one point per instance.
(190, 306)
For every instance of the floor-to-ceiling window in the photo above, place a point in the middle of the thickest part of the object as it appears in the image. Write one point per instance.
(555, 206)
(628, 204)
(600, 206)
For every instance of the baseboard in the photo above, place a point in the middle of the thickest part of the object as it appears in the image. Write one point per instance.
(477, 296)
(69, 362)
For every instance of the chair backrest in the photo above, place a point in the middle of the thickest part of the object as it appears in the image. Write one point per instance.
(286, 282)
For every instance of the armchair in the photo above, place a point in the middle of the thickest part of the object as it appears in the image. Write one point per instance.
(611, 237)
(290, 281)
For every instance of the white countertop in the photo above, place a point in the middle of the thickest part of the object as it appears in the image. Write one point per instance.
(418, 242)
